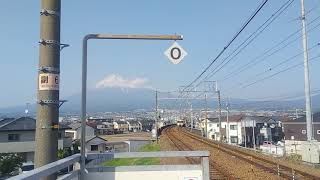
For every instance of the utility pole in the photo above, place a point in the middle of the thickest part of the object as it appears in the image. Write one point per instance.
(245, 134)
(48, 85)
(306, 74)
(206, 116)
(219, 110)
(227, 130)
(253, 135)
(191, 119)
(157, 116)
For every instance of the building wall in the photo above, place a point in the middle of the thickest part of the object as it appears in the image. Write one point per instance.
(295, 130)
(96, 141)
(18, 147)
(213, 129)
(24, 135)
(300, 148)
(89, 132)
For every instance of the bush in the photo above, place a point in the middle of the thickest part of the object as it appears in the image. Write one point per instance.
(63, 153)
(296, 158)
(9, 162)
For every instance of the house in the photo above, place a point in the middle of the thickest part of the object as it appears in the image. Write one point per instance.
(257, 129)
(297, 129)
(75, 131)
(120, 127)
(242, 129)
(96, 144)
(18, 136)
(147, 124)
(134, 126)
(232, 136)
(104, 128)
(296, 137)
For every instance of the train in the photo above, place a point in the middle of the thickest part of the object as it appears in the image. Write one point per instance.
(181, 123)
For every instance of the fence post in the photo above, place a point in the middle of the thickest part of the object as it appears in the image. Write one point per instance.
(292, 174)
(205, 168)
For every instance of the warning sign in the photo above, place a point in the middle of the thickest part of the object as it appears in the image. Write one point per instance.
(48, 81)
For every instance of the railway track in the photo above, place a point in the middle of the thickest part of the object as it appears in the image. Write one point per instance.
(216, 173)
(254, 159)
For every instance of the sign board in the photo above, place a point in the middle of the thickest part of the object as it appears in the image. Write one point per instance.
(48, 81)
(175, 53)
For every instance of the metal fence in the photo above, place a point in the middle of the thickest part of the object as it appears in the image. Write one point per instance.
(56, 166)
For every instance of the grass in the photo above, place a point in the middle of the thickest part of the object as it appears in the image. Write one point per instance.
(136, 161)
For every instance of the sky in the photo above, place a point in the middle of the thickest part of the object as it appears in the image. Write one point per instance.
(206, 25)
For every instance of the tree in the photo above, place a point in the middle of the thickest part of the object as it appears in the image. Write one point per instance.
(9, 162)
(62, 153)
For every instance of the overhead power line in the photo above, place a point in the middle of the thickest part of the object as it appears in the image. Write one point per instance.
(274, 67)
(252, 37)
(271, 51)
(230, 42)
(279, 72)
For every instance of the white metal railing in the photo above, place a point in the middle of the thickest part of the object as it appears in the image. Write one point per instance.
(56, 166)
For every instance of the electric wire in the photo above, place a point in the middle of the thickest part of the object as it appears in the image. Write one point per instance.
(230, 42)
(256, 33)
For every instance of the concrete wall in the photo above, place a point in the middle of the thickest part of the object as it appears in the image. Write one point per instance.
(300, 148)
(136, 145)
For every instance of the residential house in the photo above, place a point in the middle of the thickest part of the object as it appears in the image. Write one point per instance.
(257, 129)
(242, 129)
(147, 124)
(18, 136)
(134, 126)
(120, 127)
(295, 132)
(75, 131)
(105, 128)
(234, 123)
(96, 144)
(297, 129)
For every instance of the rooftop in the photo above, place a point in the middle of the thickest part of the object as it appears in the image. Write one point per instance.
(20, 124)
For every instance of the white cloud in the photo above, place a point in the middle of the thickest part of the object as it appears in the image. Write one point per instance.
(115, 80)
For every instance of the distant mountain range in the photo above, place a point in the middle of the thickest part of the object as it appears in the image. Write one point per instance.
(128, 99)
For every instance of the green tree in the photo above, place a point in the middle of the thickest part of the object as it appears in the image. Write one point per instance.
(76, 146)
(62, 153)
(9, 162)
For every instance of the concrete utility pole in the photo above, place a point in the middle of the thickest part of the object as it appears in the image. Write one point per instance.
(227, 129)
(48, 85)
(157, 117)
(306, 74)
(191, 119)
(245, 134)
(206, 116)
(219, 110)
(253, 134)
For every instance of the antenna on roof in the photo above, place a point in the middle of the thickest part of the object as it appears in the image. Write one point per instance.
(26, 111)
